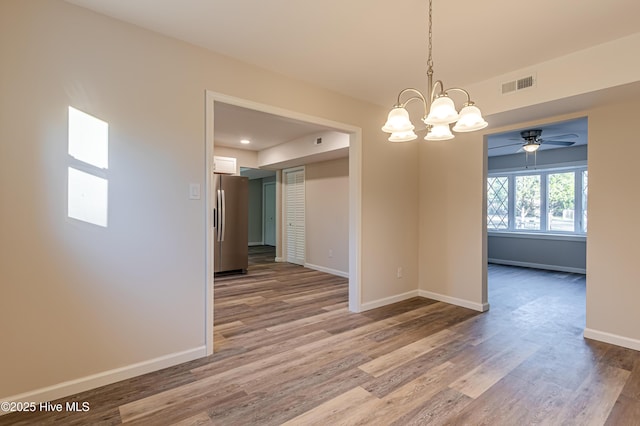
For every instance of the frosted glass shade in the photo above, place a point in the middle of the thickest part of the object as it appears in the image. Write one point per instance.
(442, 111)
(531, 147)
(439, 132)
(470, 120)
(407, 136)
(398, 121)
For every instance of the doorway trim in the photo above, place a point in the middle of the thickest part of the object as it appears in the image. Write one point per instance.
(355, 195)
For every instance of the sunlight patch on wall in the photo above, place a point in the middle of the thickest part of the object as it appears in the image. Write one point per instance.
(88, 139)
(88, 187)
(88, 197)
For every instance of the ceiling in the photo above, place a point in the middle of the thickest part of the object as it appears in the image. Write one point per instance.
(370, 49)
(233, 123)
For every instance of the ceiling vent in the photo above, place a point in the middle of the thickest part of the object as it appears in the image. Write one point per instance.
(519, 84)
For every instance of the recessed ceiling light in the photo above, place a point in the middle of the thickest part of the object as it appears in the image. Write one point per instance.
(245, 141)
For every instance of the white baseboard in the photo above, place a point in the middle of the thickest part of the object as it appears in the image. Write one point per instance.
(388, 300)
(280, 259)
(481, 307)
(93, 381)
(256, 243)
(327, 270)
(614, 339)
(538, 266)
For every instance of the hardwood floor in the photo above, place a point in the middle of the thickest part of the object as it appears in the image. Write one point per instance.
(287, 351)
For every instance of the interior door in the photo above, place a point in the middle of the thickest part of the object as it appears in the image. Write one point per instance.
(269, 212)
(294, 215)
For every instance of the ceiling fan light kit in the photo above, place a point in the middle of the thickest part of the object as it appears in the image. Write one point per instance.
(439, 109)
(531, 146)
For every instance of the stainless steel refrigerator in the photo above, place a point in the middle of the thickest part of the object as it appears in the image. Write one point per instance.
(230, 222)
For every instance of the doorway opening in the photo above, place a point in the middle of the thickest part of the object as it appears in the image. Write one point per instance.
(354, 190)
(262, 206)
(536, 208)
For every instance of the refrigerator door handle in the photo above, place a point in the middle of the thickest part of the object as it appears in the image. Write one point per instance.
(224, 215)
(219, 212)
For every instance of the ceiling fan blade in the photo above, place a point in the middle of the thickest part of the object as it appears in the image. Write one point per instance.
(504, 146)
(559, 143)
(565, 136)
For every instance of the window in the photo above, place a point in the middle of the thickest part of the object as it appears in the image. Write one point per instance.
(528, 202)
(549, 201)
(497, 203)
(561, 201)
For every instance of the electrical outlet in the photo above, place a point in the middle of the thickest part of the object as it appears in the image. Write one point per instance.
(399, 272)
(330, 253)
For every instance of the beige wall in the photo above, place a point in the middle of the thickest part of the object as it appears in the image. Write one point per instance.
(598, 67)
(327, 214)
(614, 230)
(452, 232)
(80, 300)
(390, 216)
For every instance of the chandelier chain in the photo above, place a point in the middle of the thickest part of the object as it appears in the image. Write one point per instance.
(439, 109)
(430, 60)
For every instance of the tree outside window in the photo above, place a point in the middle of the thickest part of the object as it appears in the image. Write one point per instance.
(561, 202)
(528, 202)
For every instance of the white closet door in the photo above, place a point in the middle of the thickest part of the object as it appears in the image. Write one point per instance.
(294, 208)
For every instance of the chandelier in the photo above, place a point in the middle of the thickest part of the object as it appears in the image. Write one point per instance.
(439, 109)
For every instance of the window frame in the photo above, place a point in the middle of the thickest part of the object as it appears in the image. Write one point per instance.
(577, 168)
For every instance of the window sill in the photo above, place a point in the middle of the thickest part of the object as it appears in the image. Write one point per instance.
(538, 235)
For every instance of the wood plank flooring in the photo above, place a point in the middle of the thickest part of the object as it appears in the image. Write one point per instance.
(287, 351)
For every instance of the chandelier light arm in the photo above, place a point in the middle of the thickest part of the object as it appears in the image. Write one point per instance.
(433, 91)
(419, 96)
(458, 89)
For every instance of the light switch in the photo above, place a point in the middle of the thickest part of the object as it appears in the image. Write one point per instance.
(194, 191)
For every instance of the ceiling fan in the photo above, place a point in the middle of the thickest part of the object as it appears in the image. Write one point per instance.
(530, 140)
